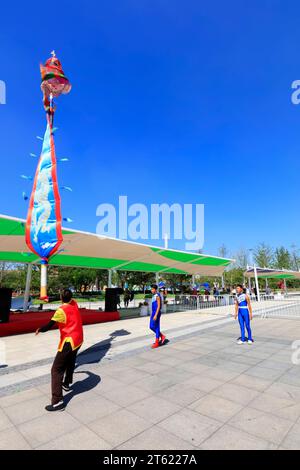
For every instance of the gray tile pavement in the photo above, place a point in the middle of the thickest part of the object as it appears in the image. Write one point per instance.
(201, 391)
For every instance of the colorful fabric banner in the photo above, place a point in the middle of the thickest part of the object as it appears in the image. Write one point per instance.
(43, 225)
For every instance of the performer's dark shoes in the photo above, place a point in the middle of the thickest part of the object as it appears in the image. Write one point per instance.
(60, 406)
(156, 344)
(66, 387)
(162, 339)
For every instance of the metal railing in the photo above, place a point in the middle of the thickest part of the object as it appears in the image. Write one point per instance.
(272, 305)
(288, 307)
(184, 302)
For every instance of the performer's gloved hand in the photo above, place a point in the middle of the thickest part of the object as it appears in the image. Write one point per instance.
(45, 328)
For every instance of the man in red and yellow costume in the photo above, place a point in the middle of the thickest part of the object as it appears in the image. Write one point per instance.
(71, 338)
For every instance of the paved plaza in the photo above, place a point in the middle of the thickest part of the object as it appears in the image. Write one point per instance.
(200, 391)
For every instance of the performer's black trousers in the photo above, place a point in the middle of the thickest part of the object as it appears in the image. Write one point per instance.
(62, 371)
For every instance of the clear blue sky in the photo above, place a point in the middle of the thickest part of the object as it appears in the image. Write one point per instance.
(195, 93)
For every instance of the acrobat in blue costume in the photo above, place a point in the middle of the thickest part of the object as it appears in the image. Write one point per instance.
(155, 323)
(244, 317)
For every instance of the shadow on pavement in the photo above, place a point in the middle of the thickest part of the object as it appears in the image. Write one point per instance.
(83, 386)
(92, 355)
(95, 353)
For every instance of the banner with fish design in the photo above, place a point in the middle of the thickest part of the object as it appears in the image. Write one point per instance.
(43, 227)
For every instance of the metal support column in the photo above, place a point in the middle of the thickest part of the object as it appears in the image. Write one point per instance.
(109, 283)
(27, 287)
(256, 284)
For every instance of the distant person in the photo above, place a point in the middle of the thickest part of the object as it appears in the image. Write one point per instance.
(162, 290)
(126, 298)
(282, 286)
(163, 295)
(255, 292)
(71, 338)
(216, 293)
(243, 311)
(155, 317)
(207, 294)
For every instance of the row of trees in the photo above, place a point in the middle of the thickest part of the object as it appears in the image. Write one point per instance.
(86, 280)
(265, 256)
(83, 280)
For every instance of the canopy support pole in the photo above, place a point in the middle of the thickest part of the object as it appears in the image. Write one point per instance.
(27, 287)
(109, 283)
(256, 284)
(44, 280)
(156, 278)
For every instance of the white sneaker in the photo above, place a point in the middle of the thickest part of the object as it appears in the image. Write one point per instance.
(250, 341)
(240, 341)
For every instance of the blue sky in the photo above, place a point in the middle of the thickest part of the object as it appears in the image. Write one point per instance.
(172, 101)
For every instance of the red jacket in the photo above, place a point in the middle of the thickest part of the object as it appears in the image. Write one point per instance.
(70, 325)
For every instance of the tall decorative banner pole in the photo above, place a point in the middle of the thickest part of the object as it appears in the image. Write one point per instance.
(43, 225)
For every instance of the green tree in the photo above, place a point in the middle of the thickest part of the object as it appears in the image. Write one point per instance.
(282, 258)
(241, 258)
(141, 279)
(263, 255)
(223, 251)
(295, 259)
